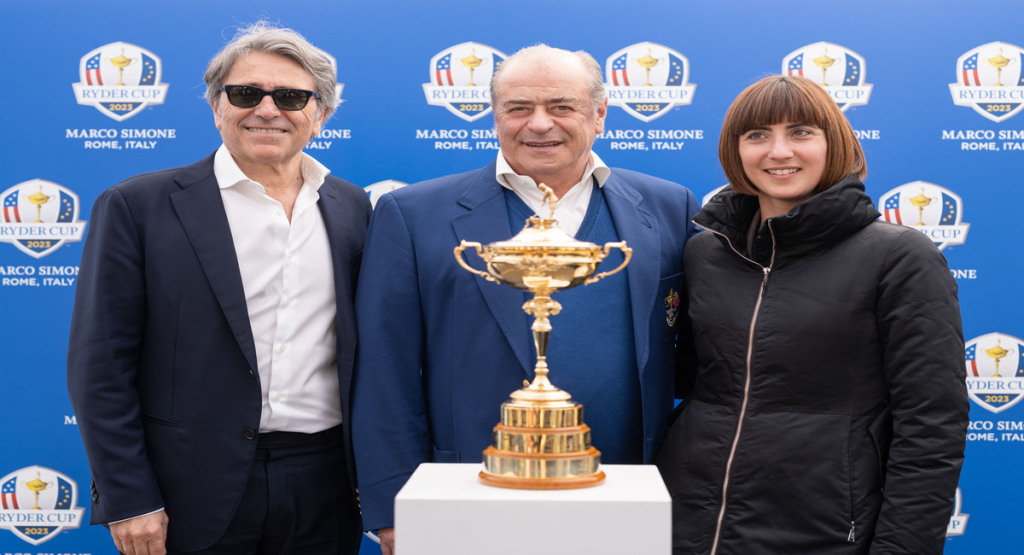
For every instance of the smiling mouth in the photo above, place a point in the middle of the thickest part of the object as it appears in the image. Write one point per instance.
(263, 130)
(787, 171)
(543, 145)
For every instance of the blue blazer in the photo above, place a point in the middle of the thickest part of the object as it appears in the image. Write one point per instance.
(161, 360)
(440, 349)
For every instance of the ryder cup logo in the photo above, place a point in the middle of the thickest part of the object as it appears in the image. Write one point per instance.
(990, 80)
(839, 70)
(647, 79)
(119, 79)
(379, 188)
(460, 79)
(995, 371)
(39, 216)
(935, 211)
(958, 521)
(36, 503)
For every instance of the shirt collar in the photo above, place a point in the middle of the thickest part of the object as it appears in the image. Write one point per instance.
(509, 179)
(228, 174)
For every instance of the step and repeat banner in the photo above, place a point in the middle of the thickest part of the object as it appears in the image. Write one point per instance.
(99, 91)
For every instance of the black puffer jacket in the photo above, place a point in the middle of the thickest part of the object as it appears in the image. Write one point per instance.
(828, 410)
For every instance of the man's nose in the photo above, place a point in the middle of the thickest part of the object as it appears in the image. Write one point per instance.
(540, 120)
(266, 108)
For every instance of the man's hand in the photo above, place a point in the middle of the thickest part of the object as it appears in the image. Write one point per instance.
(143, 535)
(387, 541)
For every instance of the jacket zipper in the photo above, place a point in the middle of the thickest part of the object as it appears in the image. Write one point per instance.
(746, 384)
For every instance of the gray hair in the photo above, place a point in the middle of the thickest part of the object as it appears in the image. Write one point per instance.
(264, 37)
(543, 54)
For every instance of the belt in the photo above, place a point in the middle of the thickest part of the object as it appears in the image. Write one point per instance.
(270, 440)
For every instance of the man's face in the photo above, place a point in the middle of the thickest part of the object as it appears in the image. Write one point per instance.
(545, 121)
(265, 135)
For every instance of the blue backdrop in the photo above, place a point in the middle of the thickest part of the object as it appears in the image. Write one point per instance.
(932, 87)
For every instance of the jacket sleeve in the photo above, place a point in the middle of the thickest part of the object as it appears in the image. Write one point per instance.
(389, 420)
(107, 330)
(923, 348)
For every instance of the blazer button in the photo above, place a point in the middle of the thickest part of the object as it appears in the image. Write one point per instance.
(249, 434)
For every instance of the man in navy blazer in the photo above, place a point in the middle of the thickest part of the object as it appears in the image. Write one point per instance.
(440, 349)
(213, 334)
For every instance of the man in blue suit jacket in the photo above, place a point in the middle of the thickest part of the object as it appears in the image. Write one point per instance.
(440, 349)
(213, 339)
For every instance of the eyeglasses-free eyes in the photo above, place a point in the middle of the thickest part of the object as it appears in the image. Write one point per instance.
(246, 96)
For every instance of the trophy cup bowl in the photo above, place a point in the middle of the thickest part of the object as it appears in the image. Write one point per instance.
(541, 441)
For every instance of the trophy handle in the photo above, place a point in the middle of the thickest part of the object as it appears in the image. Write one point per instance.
(627, 253)
(458, 258)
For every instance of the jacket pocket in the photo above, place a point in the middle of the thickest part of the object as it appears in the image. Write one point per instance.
(155, 419)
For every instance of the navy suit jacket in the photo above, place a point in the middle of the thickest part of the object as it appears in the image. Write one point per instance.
(161, 360)
(440, 349)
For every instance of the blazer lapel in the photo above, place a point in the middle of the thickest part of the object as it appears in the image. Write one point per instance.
(201, 211)
(486, 221)
(336, 223)
(639, 229)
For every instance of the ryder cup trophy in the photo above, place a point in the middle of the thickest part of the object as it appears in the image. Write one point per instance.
(541, 441)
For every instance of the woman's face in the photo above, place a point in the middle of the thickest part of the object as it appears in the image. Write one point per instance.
(785, 161)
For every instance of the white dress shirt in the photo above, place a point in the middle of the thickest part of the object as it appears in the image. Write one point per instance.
(288, 278)
(571, 208)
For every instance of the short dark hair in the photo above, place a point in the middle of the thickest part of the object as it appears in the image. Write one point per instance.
(793, 99)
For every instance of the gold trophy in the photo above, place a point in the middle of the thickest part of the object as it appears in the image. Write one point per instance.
(999, 62)
(120, 62)
(541, 441)
(37, 485)
(920, 201)
(39, 199)
(996, 352)
(824, 62)
(647, 62)
(471, 62)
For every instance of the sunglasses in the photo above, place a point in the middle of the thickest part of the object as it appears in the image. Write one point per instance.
(245, 96)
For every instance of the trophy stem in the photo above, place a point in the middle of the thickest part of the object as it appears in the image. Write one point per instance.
(541, 333)
(540, 372)
(541, 389)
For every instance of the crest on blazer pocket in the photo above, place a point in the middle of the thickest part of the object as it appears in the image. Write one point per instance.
(671, 307)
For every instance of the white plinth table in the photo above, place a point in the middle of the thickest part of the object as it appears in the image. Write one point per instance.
(444, 510)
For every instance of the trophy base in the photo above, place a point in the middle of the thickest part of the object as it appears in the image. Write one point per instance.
(572, 470)
(515, 482)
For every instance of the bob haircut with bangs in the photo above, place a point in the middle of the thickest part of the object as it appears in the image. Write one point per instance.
(789, 99)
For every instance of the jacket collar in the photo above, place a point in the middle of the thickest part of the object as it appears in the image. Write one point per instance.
(817, 222)
(638, 227)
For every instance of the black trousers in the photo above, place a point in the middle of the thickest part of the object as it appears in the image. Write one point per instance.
(297, 501)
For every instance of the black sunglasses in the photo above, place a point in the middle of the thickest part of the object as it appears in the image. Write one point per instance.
(246, 96)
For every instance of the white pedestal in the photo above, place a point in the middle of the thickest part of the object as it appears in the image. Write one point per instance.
(444, 510)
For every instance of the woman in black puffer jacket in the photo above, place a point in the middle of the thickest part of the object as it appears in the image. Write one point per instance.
(826, 410)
